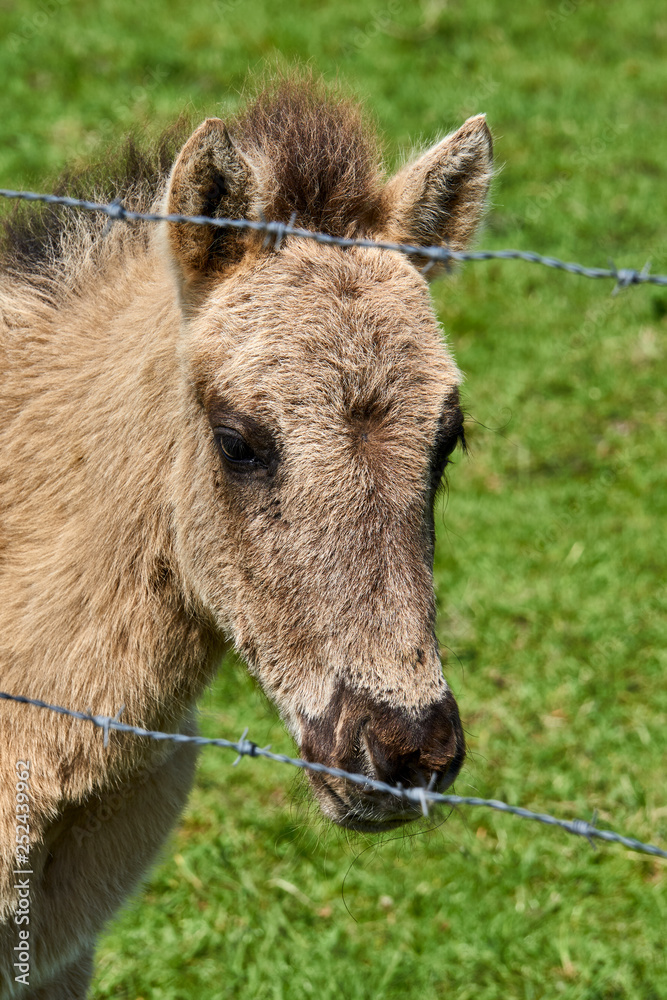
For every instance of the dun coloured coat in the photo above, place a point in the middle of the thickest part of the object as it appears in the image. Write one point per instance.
(206, 439)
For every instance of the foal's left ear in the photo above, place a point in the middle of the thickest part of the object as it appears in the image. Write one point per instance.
(439, 199)
(210, 177)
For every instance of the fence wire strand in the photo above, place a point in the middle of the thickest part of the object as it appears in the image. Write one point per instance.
(624, 276)
(423, 797)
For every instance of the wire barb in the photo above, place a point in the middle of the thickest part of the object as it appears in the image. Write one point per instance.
(116, 213)
(105, 723)
(245, 748)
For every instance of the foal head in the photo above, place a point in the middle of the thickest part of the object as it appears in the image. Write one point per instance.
(322, 406)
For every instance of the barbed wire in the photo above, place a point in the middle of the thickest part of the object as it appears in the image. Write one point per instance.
(624, 276)
(420, 796)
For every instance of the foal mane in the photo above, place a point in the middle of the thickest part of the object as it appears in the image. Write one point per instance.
(324, 155)
(323, 167)
(38, 241)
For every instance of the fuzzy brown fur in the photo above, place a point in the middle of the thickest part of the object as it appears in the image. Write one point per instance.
(205, 439)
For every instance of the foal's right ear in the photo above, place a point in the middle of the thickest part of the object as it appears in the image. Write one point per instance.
(210, 177)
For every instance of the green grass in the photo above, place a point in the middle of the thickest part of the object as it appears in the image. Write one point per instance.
(550, 567)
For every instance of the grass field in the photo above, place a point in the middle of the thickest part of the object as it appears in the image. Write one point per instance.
(550, 566)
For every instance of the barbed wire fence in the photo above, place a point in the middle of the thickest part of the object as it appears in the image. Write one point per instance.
(423, 797)
(276, 232)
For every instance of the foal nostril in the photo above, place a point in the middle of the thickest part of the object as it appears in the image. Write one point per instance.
(411, 751)
(412, 767)
(385, 764)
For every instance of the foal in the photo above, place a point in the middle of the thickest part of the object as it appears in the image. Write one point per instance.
(206, 438)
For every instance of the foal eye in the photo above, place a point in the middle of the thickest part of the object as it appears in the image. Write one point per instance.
(443, 452)
(234, 448)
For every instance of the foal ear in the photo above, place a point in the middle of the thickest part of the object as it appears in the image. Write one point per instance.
(210, 177)
(438, 199)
